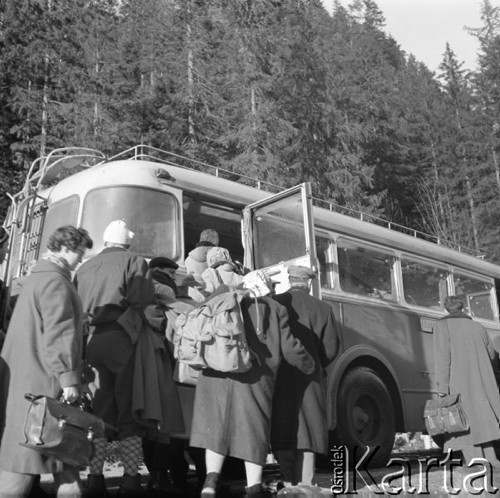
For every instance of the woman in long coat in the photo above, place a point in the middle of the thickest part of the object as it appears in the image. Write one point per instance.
(232, 412)
(463, 365)
(299, 424)
(42, 355)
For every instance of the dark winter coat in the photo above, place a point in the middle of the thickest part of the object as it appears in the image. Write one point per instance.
(41, 355)
(463, 365)
(155, 401)
(299, 405)
(232, 412)
(111, 282)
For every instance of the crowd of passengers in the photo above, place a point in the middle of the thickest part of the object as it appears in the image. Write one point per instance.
(112, 317)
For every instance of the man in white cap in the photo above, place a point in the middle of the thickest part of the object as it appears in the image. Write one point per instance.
(299, 425)
(115, 286)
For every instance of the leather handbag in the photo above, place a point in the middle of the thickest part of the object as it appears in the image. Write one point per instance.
(445, 415)
(61, 430)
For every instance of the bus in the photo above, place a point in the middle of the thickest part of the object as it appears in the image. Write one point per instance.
(386, 284)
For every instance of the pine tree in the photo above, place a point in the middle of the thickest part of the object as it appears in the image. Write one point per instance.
(463, 148)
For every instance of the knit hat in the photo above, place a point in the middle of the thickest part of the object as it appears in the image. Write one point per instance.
(117, 232)
(210, 235)
(162, 262)
(216, 255)
(300, 273)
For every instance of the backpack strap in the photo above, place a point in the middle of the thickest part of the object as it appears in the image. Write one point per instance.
(252, 294)
(219, 278)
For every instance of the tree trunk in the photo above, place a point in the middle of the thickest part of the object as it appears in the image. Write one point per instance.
(497, 168)
(436, 177)
(190, 79)
(96, 101)
(45, 99)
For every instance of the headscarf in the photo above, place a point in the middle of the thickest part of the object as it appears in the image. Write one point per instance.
(217, 255)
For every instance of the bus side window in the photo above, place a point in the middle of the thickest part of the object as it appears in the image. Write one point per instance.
(365, 271)
(475, 294)
(423, 284)
(324, 259)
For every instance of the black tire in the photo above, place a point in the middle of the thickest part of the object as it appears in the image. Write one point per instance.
(366, 415)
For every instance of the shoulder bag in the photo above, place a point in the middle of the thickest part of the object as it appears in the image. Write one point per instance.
(445, 415)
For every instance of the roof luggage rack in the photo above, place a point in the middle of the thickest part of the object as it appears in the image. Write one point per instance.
(66, 161)
(148, 153)
(58, 164)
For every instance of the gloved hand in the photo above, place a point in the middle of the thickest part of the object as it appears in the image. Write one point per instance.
(70, 394)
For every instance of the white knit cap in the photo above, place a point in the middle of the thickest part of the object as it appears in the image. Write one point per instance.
(117, 232)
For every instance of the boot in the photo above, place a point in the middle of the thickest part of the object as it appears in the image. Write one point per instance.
(161, 483)
(96, 486)
(37, 491)
(257, 491)
(130, 485)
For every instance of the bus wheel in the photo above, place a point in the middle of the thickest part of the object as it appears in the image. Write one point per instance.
(365, 415)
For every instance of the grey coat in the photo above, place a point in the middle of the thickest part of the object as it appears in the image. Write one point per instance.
(463, 365)
(41, 355)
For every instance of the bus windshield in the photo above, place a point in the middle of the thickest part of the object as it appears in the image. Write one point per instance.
(152, 215)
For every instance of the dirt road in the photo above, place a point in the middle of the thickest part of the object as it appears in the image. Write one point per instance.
(412, 474)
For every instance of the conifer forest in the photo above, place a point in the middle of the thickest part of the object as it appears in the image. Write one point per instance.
(276, 89)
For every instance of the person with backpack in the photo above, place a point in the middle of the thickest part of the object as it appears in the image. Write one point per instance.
(196, 261)
(221, 270)
(156, 444)
(232, 411)
(299, 426)
(164, 457)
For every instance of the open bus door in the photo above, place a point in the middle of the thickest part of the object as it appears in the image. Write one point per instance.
(278, 232)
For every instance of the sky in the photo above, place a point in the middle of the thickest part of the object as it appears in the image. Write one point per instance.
(422, 27)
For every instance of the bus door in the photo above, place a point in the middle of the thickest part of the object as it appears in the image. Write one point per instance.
(278, 232)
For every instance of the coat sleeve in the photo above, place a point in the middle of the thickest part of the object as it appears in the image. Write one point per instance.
(330, 340)
(140, 287)
(488, 344)
(210, 280)
(61, 349)
(492, 353)
(442, 356)
(292, 349)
